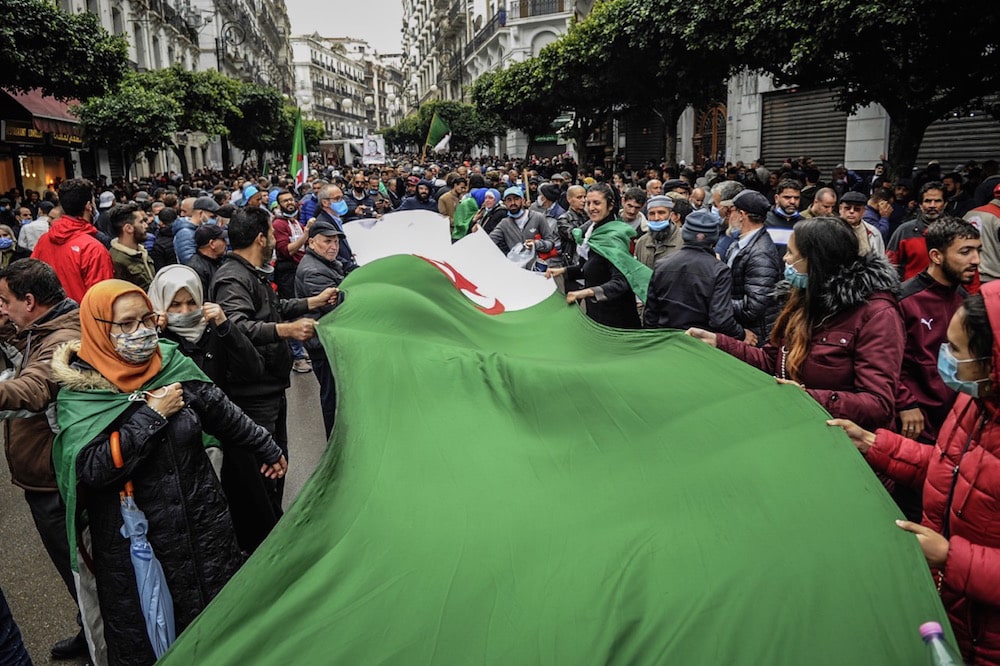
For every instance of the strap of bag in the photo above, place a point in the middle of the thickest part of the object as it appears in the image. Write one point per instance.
(119, 461)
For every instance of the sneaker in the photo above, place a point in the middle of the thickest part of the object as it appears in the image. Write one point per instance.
(301, 366)
(71, 647)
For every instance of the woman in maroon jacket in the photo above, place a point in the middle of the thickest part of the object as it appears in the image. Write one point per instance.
(840, 335)
(960, 477)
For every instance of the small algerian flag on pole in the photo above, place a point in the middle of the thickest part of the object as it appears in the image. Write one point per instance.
(299, 164)
(439, 135)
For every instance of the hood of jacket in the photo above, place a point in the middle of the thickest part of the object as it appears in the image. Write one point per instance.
(68, 227)
(991, 299)
(853, 284)
(76, 375)
(182, 223)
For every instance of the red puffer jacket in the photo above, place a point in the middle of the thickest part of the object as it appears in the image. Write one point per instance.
(960, 477)
(852, 368)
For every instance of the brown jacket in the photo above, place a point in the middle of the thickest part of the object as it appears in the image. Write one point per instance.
(448, 203)
(28, 441)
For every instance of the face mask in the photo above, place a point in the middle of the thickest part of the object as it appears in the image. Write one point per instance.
(659, 226)
(948, 369)
(340, 208)
(6, 243)
(184, 320)
(796, 279)
(735, 233)
(372, 192)
(137, 347)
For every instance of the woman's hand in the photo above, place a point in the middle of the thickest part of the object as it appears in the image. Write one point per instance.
(167, 400)
(574, 296)
(213, 313)
(554, 272)
(707, 337)
(790, 382)
(275, 471)
(934, 545)
(861, 437)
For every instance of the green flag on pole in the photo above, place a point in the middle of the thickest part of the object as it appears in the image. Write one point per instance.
(438, 135)
(299, 163)
(528, 487)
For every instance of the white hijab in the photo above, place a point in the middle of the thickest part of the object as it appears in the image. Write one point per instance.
(165, 285)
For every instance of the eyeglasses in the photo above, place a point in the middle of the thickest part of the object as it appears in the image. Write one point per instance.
(132, 325)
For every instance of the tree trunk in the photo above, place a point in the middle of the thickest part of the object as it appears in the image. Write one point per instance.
(906, 132)
(670, 114)
(182, 157)
(226, 165)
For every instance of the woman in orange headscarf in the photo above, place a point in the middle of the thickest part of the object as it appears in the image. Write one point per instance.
(121, 383)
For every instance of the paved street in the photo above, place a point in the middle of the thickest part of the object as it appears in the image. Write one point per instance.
(37, 596)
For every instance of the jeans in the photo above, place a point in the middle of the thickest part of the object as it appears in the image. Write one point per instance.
(12, 650)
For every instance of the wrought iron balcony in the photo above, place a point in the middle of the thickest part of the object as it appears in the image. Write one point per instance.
(498, 21)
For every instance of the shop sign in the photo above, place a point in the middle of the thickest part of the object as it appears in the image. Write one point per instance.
(18, 132)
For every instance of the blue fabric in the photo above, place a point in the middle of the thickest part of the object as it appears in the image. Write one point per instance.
(184, 245)
(154, 596)
(12, 652)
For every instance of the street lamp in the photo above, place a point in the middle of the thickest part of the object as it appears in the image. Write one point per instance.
(347, 104)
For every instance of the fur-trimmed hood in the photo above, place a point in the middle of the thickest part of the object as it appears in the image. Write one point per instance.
(71, 373)
(853, 284)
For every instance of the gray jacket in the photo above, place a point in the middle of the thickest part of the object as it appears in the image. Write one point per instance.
(507, 234)
(312, 276)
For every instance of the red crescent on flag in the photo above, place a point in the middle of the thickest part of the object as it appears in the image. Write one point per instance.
(488, 304)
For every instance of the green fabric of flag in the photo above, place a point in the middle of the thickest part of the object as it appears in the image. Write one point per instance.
(437, 130)
(611, 241)
(83, 415)
(534, 488)
(299, 164)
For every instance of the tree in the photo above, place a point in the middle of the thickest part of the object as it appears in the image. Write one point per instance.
(133, 120)
(259, 122)
(919, 59)
(64, 55)
(516, 98)
(207, 101)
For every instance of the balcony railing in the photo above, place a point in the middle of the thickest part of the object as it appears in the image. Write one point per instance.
(498, 21)
(520, 9)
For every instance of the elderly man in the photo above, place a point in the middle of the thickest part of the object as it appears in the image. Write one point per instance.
(852, 210)
(665, 216)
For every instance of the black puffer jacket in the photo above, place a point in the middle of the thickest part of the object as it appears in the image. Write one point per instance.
(313, 275)
(223, 353)
(189, 525)
(245, 295)
(756, 269)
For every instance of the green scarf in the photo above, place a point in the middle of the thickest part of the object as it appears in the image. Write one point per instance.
(463, 217)
(611, 241)
(83, 415)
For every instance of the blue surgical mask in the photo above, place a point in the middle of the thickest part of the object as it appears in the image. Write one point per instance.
(6, 243)
(948, 369)
(340, 207)
(659, 226)
(796, 279)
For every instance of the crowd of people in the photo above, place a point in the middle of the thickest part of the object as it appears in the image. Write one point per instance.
(152, 327)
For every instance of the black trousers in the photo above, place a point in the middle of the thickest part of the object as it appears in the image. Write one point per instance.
(255, 501)
(12, 650)
(49, 514)
(327, 388)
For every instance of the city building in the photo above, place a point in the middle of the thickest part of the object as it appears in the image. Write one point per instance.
(348, 87)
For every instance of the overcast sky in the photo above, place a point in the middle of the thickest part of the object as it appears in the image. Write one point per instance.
(376, 21)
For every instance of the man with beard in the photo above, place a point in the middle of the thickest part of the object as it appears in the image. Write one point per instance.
(289, 242)
(785, 212)
(242, 288)
(927, 302)
(665, 217)
(422, 200)
(359, 201)
(908, 247)
(523, 226)
(959, 201)
(128, 254)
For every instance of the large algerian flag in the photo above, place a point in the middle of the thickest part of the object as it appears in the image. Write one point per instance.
(299, 163)
(438, 135)
(510, 483)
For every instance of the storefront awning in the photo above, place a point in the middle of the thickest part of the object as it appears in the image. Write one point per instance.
(48, 114)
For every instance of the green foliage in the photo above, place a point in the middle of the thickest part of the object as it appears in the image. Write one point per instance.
(314, 131)
(64, 55)
(468, 127)
(259, 122)
(919, 59)
(134, 119)
(208, 99)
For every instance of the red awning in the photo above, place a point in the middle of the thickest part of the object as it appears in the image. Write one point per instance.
(48, 114)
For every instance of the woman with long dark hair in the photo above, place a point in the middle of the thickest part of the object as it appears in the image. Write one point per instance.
(840, 335)
(959, 477)
(612, 277)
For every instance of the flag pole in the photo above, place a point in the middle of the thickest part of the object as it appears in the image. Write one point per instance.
(427, 139)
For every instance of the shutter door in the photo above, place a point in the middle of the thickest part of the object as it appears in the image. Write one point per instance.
(956, 140)
(645, 139)
(803, 122)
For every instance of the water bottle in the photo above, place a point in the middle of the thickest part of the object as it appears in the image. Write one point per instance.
(939, 653)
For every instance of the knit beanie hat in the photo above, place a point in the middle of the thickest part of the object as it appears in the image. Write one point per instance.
(701, 227)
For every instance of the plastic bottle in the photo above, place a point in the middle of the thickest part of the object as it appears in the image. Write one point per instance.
(939, 653)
